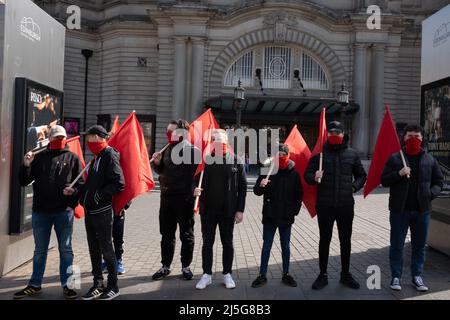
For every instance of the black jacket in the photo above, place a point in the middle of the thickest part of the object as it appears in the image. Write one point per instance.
(177, 179)
(236, 187)
(340, 165)
(430, 182)
(282, 196)
(52, 171)
(105, 179)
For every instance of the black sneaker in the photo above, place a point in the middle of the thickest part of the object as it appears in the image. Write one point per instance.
(93, 293)
(348, 280)
(161, 273)
(109, 294)
(321, 281)
(69, 293)
(259, 281)
(27, 292)
(187, 273)
(288, 280)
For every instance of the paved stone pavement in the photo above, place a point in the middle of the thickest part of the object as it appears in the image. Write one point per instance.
(142, 258)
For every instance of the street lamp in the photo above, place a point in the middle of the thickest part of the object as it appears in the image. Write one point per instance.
(343, 96)
(239, 96)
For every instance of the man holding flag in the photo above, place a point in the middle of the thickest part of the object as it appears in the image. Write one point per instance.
(412, 188)
(105, 180)
(176, 182)
(222, 204)
(51, 170)
(341, 175)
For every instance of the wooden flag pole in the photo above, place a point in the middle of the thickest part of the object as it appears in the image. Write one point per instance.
(320, 165)
(161, 151)
(404, 162)
(197, 198)
(79, 175)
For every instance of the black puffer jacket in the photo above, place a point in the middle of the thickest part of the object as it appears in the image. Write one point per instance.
(236, 187)
(52, 171)
(430, 182)
(343, 175)
(177, 178)
(282, 196)
(105, 179)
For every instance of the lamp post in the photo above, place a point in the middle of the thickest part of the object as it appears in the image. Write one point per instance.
(87, 54)
(342, 99)
(239, 96)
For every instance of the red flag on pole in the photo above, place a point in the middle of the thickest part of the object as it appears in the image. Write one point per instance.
(75, 147)
(200, 135)
(300, 154)
(387, 144)
(322, 137)
(129, 141)
(115, 127)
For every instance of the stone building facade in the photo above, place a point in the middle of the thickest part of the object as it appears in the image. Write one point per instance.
(168, 59)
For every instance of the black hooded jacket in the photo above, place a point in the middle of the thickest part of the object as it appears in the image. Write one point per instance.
(282, 196)
(343, 175)
(52, 171)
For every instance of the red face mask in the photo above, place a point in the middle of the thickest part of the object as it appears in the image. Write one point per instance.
(57, 144)
(283, 162)
(335, 140)
(413, 146)
(169, 137)
(97, 147)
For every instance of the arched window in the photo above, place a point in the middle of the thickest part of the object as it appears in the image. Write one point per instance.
(278, 65)
(241, 69)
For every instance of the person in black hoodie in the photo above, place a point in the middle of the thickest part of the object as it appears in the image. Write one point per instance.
(283, 196)
(412, 189)
(222, 204)
(51, 170)
(342, 175)
(177, 203)
(105, 179)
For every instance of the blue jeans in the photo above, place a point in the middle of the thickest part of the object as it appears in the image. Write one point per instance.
(418, 224)
(42, 227)
(285, 238)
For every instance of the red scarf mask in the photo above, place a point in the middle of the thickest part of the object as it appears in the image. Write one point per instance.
(335, 140)
(283, 162)
(57, 144)
(97, 147)
(413, 146)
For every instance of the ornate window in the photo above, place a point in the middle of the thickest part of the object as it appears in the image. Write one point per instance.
(241, 69)
(278, 67)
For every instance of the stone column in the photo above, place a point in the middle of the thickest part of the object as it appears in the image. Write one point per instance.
(179, 88)
(360, 124)
(377, 94)
(198, 54)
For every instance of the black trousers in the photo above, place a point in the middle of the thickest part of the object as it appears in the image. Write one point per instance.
(226, 228)
(344, 218)
(99, 236)
(117, 234)
(176, 210)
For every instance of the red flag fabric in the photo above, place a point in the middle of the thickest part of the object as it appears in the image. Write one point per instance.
(115, 126)
(322, 137)
(300, 154)
(75, 147)
(387, 144)
(200, 135)
(129, 141)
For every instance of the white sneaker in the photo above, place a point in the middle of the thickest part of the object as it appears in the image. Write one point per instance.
(395, 284)
(204, 281)
(228, 281)
(419, 285)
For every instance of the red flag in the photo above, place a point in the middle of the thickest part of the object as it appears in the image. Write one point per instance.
(300, 154)
(129, 141)
(200, 135)
(115, 126)
(75, 147)
(322, 138)
(387, 144)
